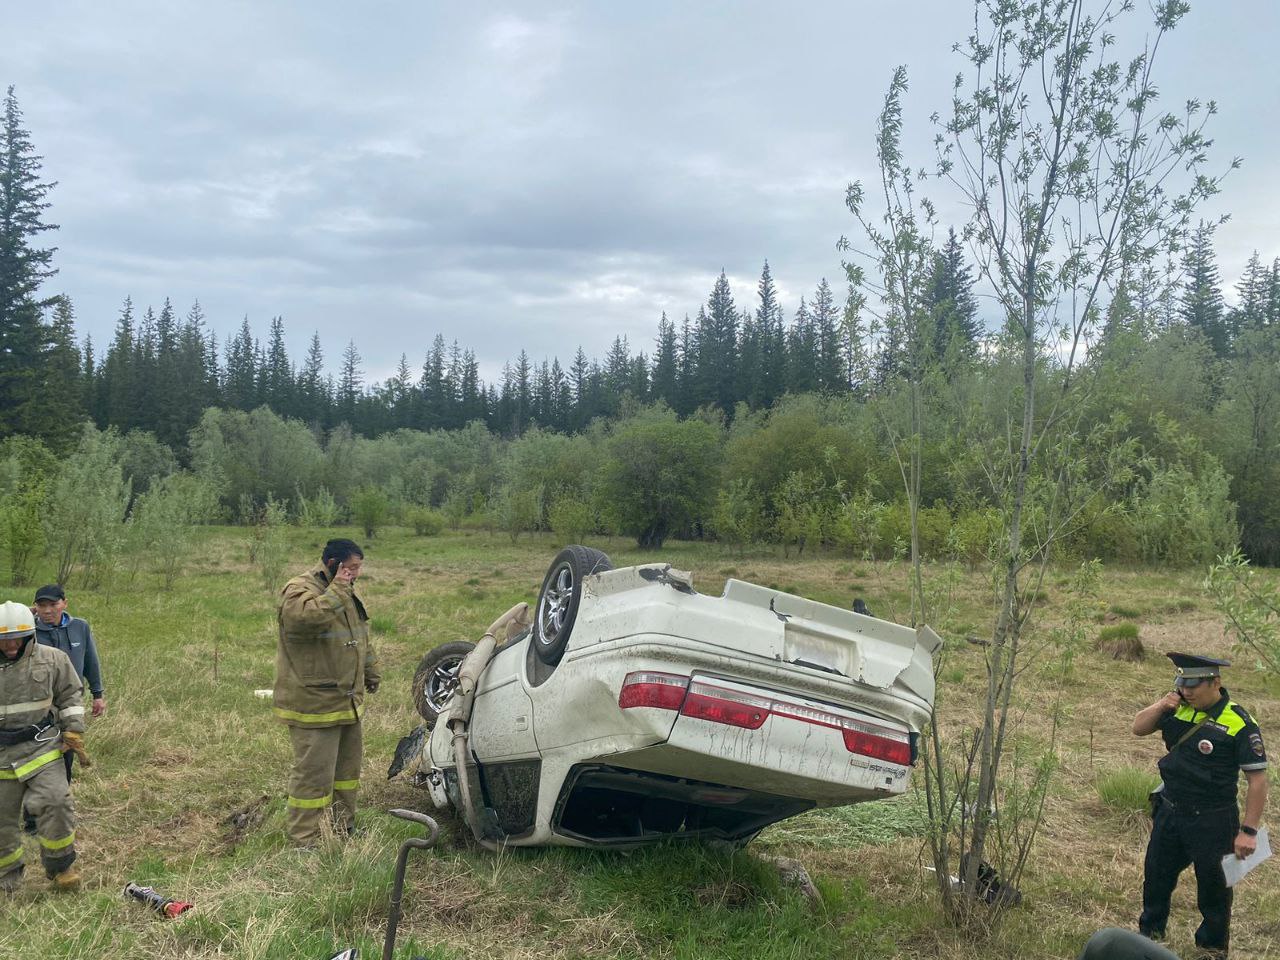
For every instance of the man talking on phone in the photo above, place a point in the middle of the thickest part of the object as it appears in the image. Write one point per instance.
(1209, 741)
(325, 664)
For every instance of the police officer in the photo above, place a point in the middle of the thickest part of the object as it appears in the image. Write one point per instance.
(1209, 739)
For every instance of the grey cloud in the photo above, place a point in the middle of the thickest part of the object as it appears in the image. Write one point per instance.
(540, 177)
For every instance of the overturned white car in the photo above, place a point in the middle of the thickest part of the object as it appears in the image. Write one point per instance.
(634, 709)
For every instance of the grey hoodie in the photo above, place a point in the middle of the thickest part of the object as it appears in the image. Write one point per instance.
(74, 638)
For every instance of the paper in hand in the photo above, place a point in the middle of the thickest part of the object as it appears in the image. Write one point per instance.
(1235, 870)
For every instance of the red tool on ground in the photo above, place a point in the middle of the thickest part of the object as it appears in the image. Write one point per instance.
(165, 906)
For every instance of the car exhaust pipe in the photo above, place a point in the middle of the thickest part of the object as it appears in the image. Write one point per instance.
(459, 715)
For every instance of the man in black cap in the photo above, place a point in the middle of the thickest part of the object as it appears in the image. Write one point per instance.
(1209, 741)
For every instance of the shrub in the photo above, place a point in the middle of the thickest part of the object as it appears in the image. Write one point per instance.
(20, 528)
(318, 511)
(84, 515)
(894, 530)
(1251, 604)
(1125, 790)
(518, 509)
(268, 550)
(571, 519)
(799, 503)
(370, 508)
(165, 518)
(1183, 513)
(738, 515)
(457, 504)
(425, 521)
(855, 524)
(974, 535)
(658, 476)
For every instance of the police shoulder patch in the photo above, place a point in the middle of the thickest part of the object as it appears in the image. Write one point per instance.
(1255, 741)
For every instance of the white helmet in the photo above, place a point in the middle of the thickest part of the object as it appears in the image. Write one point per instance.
(16, 621)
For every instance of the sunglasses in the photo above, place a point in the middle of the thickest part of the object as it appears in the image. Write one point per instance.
(1190, 683)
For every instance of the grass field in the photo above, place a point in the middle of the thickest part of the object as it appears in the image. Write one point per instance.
(186, 744)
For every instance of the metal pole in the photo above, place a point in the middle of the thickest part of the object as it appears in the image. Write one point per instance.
(402, 861)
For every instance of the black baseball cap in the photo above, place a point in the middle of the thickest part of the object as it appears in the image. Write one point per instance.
(51, 591)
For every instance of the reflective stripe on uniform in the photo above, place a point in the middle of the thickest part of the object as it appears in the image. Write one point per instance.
(8, 709)
(66, 841)
(1231, 720)
(306, 804)
(71, 712)
(30, 766)
(1228, 719)
(346, 784)
(9, 859)
(345, 714)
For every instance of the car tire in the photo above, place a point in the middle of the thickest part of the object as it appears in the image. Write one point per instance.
(559, 598)
(436, 677)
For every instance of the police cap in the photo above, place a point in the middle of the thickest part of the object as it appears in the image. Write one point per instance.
(1197, 668)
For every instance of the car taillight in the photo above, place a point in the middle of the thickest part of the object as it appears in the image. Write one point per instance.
(733, 707)
(880, 743)
(737, 708)
(665, 691)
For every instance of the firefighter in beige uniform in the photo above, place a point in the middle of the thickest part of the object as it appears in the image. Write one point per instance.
(324, 666)
(41, 717)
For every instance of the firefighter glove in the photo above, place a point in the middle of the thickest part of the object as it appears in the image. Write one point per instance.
(75, 743)
(371, 686)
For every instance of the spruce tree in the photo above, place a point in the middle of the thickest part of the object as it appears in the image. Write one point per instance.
(523, 395)
(687, 365)
(350, 385)
(472, 401)
(1254, 291)
(1201, 307)
(167, 385)
(197, 374)
(665, 363)
(24, 266)
(89, 377)
(578, 371)
(772, 361)
(60, 412)
(802, 353)
(718, 350)
(118, 372)
(313, 400)
(949, 298)
(561, 398)
(453, 403)
(277, 373)
(431, 387)
(825, 316)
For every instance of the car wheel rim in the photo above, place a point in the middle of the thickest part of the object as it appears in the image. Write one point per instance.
(555, 605)
(441, 683)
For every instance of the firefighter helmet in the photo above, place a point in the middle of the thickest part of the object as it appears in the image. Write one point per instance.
(16, 620)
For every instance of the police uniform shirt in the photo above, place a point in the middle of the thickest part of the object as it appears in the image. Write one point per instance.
(1204, 770)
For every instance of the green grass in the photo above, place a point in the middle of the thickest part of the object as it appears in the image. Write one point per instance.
(1125, 611)
(186, 742)
(1125, 791)
(1118, 631)
(867, 824)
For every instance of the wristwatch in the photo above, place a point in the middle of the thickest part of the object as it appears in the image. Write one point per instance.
(1248, 831)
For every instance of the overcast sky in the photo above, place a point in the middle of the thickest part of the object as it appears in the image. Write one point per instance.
(534, 175)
